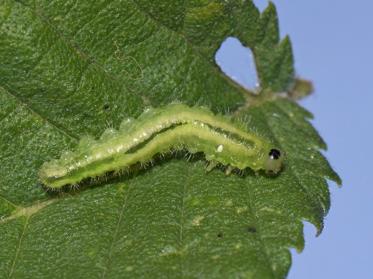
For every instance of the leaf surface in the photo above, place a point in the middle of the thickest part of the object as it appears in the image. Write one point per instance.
(72, 68)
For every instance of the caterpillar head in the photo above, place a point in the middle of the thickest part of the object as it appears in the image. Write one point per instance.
(274, 161)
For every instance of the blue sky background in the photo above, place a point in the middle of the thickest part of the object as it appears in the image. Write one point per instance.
(333, 47)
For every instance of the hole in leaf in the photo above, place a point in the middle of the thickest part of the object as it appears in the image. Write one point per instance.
(237, 62)
(261, 4)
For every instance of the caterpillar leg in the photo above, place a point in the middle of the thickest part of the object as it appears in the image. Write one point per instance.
(228, 170)
(211, 165)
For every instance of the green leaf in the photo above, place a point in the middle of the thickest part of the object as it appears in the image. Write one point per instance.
(72, 68)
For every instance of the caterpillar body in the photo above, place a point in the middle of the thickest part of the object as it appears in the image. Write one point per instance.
(157, 131)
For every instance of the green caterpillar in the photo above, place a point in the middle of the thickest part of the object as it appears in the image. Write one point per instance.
(157, 131)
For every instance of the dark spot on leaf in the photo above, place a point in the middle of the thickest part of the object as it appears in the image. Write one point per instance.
(251, 229)
(106, 107)
(220, 235)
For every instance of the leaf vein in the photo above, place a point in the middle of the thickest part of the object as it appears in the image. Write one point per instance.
(8, 201)
(93, 18)
(24, 103)
(181, 227)
(16, 256)
(116, 233)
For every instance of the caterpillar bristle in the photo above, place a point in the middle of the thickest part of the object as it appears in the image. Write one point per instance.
(126, 124)
(108, 134)
(66, 156)
(86, 142)
(74, 186)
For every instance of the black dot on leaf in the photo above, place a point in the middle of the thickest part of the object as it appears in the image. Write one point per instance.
(251, 229)
(220, 235)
